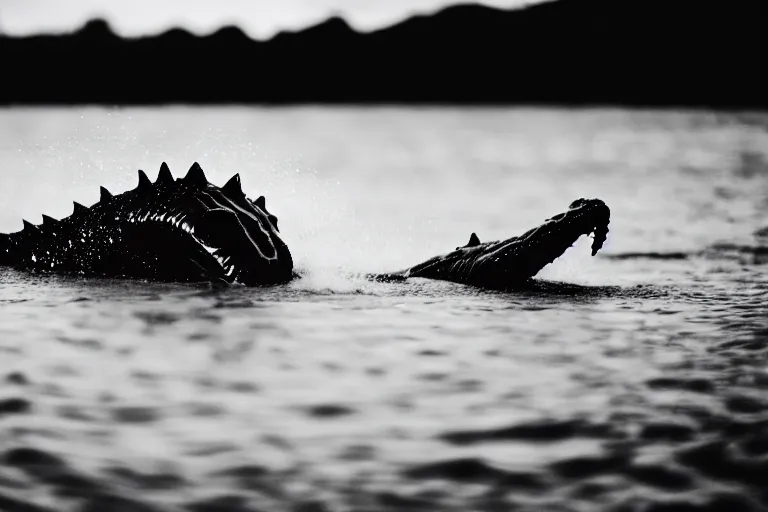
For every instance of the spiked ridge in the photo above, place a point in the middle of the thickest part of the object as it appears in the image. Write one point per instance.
(145, 185)
(164, 176)
(184, 230)
(195, 176)
(79, 208)
(233, 186)
(49, 222)
(105, 195)
(29, 227)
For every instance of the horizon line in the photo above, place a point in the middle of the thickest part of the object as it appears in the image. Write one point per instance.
(318, 21)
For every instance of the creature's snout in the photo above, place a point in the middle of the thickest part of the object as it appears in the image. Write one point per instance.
(594, 215)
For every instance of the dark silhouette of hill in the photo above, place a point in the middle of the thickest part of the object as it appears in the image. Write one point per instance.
(688, 53)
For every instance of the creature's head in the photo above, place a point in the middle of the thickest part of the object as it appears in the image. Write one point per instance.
(587, 216)
(505, 262)
(228, 235)
(524, 256)
(543, 244)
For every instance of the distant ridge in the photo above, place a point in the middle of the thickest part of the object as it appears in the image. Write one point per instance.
(655, 53)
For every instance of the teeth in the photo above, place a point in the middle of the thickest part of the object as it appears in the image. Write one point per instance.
(178, 221)
(174, 220)
(228, 268)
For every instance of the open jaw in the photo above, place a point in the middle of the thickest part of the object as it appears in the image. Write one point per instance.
(583, 217)
(235, 237)
(518, 259)
(219, 233)
(173, 230)
(510, 262)
(176, 249)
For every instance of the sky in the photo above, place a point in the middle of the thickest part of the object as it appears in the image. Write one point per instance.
(258, 18)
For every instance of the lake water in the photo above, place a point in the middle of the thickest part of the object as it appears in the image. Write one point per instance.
(634, 380)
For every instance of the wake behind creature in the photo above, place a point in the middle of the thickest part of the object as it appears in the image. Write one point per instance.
(190, 230)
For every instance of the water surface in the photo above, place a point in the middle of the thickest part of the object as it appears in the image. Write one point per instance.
(632, 380)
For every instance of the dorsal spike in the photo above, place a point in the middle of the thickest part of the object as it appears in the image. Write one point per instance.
(195, 176)
(261, 203)
(164, 176)
(79, 208)
(49, 221)
(473, 241)
(105, 196)
(28, 226)
(144, 183)
(273, 220)
(233, 186)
